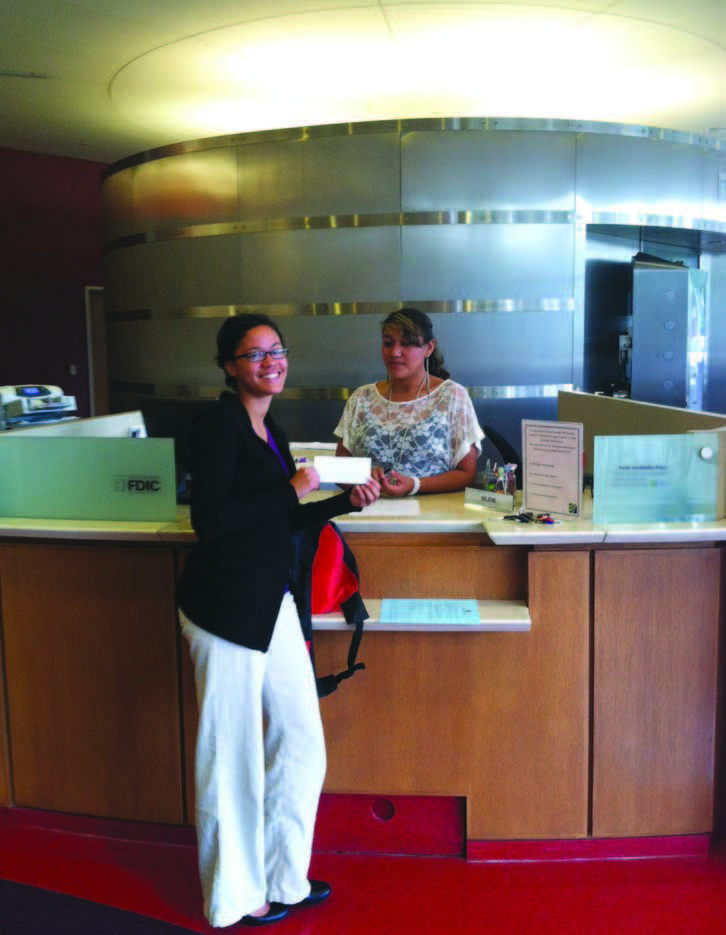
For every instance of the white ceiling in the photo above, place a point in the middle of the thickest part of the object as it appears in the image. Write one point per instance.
(103, 79)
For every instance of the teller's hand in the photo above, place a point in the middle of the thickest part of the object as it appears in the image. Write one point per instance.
(378, 473)
(394, 484)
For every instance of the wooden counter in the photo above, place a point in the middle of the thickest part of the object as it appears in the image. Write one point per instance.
(598, 721)
(500, 718)
(91, 673)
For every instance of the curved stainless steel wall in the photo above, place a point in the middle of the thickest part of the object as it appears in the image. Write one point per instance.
(482, 222)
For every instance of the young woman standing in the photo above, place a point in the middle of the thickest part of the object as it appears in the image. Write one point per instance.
(260, 758)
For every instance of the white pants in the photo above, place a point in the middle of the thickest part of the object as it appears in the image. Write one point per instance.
(257, 787)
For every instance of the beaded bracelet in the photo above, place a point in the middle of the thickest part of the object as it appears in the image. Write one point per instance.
(416, 486)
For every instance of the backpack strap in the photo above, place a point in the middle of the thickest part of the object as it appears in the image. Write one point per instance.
(336, 584)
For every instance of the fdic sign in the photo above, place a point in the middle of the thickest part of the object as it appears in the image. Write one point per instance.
(137, 484)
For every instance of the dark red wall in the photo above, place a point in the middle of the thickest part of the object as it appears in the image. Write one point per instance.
(50, 250)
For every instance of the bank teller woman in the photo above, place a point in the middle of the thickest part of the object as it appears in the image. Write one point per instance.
(418, 426)
(260, 757)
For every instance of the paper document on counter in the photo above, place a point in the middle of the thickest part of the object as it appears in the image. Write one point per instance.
(396, 506)
(440, 612)
(342, 470)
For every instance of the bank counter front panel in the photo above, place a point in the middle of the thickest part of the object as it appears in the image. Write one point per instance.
(586, 713)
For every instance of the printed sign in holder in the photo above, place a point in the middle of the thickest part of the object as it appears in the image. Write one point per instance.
(553, 467)
(659, 478)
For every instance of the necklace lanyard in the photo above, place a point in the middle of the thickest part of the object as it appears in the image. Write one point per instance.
(396, 463)
(271, 443)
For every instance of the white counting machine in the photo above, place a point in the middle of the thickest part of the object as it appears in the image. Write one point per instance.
(34, 403)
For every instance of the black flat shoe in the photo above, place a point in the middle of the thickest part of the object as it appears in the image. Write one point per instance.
(276, 912)
(319, 890)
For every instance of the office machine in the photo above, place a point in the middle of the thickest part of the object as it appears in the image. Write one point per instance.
(669, 346)
(34, 403)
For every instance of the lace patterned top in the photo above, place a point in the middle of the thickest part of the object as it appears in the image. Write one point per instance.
(419, 438)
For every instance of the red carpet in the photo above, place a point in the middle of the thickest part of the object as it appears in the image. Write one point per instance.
(157, 877)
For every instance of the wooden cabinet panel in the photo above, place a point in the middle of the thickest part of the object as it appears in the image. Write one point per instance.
(190, 724)
(189, 711)
(447, 566)
(6, 796)
(656, 639)
(92, 686)
(501, 718)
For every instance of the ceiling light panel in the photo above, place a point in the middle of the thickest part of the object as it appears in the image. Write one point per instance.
(422, 59)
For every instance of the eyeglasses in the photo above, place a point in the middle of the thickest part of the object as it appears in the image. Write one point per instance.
(255, 357)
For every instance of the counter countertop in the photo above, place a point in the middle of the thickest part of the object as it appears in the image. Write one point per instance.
(23, 528)
(439, 513)
(436, 513)
(570, 532)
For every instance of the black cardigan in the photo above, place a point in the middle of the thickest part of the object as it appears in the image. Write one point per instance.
(244, 511)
